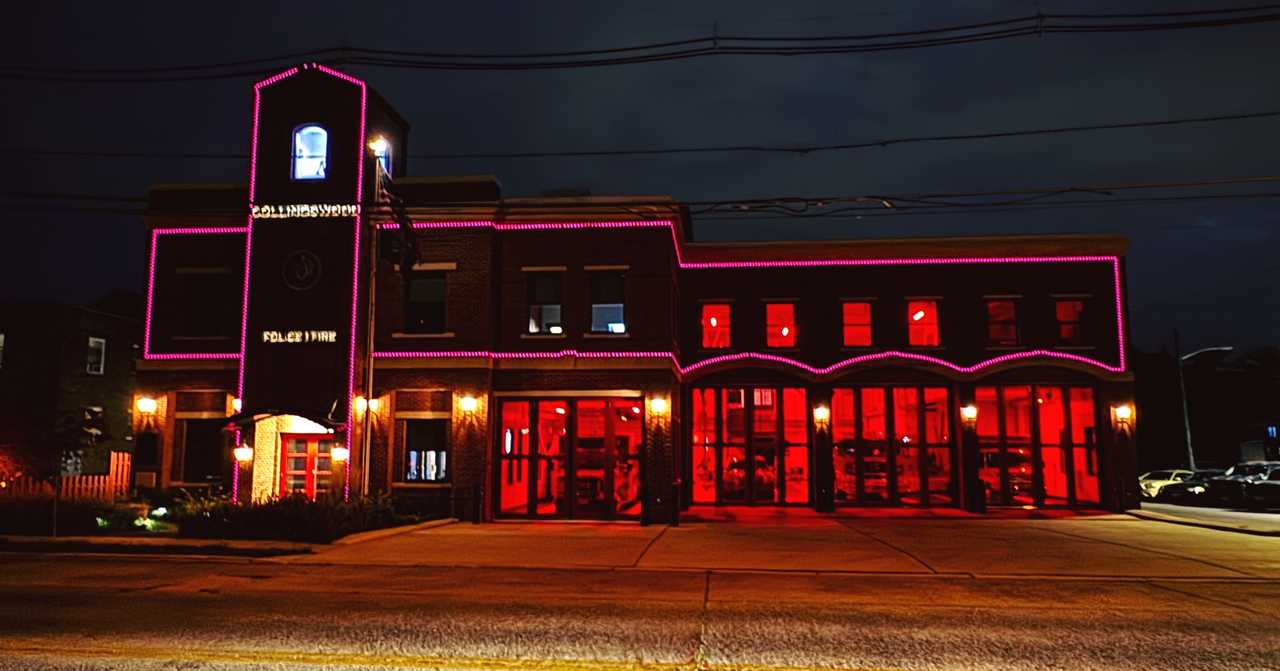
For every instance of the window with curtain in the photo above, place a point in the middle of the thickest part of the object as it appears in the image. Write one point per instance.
(310, 152)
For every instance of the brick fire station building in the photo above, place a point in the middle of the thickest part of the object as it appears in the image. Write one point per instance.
(569, 358)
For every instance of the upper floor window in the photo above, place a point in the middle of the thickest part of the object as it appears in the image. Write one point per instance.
(96, 360)
(922, 323)
(780, 324)
(425, 307)
(544, 303)
(857, 324)
(608, 302)
(310, 152)
(715, 325)
(1002, 323)
(1070, 314)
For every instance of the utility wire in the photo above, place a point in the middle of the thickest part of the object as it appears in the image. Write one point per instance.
(779, 149)
(710, 45)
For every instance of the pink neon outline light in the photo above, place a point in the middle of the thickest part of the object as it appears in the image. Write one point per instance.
(151, 290)
(757, 356)
(811, 263)
(691, 265)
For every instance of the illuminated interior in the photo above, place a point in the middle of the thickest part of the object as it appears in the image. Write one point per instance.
(922, 323)
(914, 468)
(715, 326)
(570, 458)
(780, 325)
(1054, 465)
(857, 324)
(744, 438)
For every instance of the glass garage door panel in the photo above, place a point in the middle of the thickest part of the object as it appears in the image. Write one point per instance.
(628, 437)
(551, 484)
(763, 465)
(1084, 443)
(703, 446)
(513, 460)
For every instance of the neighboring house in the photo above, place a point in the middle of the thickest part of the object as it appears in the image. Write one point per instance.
(56, 361)
(585, 357)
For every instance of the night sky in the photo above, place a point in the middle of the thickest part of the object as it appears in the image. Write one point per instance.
(1206, 267)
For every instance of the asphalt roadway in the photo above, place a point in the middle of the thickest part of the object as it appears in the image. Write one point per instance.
(1105, 593)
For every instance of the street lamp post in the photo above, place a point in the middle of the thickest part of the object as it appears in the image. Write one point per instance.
(1182, 389)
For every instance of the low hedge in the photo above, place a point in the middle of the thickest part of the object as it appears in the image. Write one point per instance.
(293, 518)
(34, 517)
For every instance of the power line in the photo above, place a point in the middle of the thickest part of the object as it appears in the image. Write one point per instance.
(794, 207)
(708, 45)
(781, 149)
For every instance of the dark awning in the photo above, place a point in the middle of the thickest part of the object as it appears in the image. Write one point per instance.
(249, 416)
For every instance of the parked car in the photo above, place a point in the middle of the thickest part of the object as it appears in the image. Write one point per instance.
(1227, 490)
(1189, 492)
(1263, 494)
(1151, 482)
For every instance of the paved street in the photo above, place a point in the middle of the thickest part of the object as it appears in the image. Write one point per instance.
(1107, 592)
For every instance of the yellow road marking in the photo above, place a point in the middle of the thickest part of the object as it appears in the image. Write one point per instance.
(353, 659)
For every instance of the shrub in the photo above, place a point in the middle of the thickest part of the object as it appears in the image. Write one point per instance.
(34, 516)
(291, 518)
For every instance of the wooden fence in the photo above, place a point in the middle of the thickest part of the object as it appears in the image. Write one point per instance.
(109, 487)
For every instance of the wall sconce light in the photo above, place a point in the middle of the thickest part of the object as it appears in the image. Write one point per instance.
(468, 404)
(362, 404)
(969, 416)
(373, 405)
(146, 405)
(658, 405)
(821, 417)
(237, 405)
(340, 454)
(244, 454)
(1122, 416)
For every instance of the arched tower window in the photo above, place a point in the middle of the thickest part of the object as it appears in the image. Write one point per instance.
(310, 151)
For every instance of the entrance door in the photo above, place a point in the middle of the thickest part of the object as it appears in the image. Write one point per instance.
(306, 466)
(570, 458)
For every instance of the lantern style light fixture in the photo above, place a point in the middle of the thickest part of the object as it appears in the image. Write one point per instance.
(362, 404)
(658, 405)
(237, 405)
(146, 405)
(243, 454)
(468, 404)
(821, 417)
(373, 405)
(969, 416)
(340, 454)
(1122, 417)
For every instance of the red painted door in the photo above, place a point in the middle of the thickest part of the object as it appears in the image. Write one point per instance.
(306, 466)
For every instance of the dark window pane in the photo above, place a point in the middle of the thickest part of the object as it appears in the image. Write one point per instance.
(544, 303)
(1070, 316)
(607, 302)
(1002, 323)
(425, 309)
(204, 450)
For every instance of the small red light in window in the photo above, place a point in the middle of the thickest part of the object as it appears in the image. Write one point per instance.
(714, 322)
(635, 409)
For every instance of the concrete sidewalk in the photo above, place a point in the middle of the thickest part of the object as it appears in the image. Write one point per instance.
(1222, 519)
(150, 545)
(1111, 546)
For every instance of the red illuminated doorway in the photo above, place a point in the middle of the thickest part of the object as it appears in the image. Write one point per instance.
(570, 458)
(306, 464)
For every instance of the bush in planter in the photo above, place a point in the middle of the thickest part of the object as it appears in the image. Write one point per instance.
(291, 518)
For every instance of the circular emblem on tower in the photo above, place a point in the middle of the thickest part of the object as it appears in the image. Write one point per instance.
(301, 270)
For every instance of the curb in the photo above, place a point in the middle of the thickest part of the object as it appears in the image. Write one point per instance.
(207, 549)
(375, 534)
(1170, 519)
